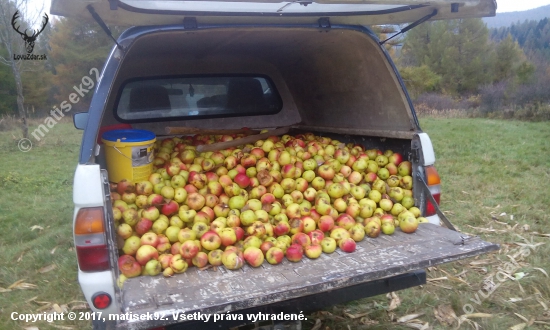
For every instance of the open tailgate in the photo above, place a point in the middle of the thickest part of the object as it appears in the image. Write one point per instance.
(218, 290)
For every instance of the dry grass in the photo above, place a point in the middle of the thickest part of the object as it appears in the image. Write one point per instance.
(423, 111)
(495, 179)
(527, 113)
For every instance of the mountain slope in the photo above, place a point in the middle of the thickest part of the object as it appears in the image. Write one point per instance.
(506, 19)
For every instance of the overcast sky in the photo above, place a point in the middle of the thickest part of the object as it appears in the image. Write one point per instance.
(519, 5)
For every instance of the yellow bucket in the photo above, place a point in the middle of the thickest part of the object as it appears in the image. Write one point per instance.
(129, 154)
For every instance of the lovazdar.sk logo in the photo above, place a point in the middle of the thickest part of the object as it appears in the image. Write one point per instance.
(29, 39)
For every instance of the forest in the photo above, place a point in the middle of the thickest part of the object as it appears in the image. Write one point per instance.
(461, 66)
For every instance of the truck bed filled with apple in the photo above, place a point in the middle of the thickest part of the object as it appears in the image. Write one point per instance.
(217, 230)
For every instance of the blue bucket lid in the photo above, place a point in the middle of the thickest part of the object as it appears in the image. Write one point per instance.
(128, 135)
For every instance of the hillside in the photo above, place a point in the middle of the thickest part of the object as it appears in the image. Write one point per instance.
(506, 19)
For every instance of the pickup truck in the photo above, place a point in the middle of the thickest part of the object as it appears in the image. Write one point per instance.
(314, 66)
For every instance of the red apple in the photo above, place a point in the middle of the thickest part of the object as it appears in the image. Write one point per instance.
(150, 238)
(146, 253)
(326, 223)
(254, 256)
(200, 260)
(125, 186)
(128, 266)
(274, 255)
(195, 201)
(347, 245)
(242, 180)
(301, 239)
(227, 236)
(170, 208)
(294, 253)
(316, 236)
(345, 221)
(189, 249)
(143, 226)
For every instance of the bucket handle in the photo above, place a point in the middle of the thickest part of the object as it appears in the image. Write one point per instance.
(114, 147)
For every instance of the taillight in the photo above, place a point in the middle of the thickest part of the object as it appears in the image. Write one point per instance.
(434, 184)
(101, 300)
(91, 248)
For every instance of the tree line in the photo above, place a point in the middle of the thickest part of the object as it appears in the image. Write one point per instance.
(457, 58)
(503, 69)
(532, 36)
(71, 47)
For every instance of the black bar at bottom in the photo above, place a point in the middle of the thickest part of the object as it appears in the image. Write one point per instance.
(311, 303)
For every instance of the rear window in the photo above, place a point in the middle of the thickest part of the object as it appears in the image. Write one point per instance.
(196, 97)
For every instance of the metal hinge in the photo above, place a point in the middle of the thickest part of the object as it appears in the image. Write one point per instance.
(190, 23)
(415, 151)
(324, 22)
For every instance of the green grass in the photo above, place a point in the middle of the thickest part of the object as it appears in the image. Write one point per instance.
(37, 191)
(483, 164)
(487, 167)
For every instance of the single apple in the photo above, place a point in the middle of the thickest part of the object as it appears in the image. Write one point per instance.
(200, 260)
(294, 253)
(328, 245)
(146, 253)
(254, 256)
(274, 255)
(347, 245)
(215, 257)
(313, 251)
(152, 267)
(408, 225)
(128, 266)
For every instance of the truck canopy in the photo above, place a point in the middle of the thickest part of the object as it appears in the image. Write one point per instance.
(353, 12)
(339, 78)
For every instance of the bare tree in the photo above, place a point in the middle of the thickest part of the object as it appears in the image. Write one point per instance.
(12, 38)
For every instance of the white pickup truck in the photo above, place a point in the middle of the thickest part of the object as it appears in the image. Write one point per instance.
(316, 67)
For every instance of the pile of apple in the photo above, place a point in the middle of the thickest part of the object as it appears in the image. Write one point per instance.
(280, 197)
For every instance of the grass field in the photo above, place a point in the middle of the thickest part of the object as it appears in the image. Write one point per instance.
(495, 181)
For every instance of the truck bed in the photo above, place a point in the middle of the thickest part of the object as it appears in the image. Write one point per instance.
(218, 290)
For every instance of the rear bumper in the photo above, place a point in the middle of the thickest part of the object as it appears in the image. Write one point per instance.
(92, 283)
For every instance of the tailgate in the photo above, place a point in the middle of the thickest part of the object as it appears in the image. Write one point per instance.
(218, 290)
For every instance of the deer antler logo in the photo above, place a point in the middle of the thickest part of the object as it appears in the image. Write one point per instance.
(29, 39)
